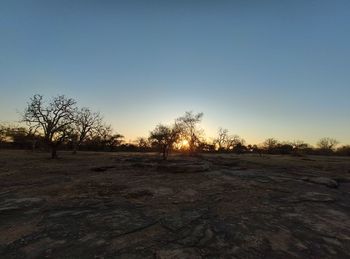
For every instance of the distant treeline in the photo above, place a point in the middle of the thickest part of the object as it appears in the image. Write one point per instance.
(60, 125)
(15, 137)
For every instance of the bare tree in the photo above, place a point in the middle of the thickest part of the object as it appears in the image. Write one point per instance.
(221, 141)
(234, 142)
(165, 137)
(85, 122)
(327, 144)
(107, 138)
(34, 136)
(142, 143)
(299, 144)
(189, 127)
(270, 144)
(54, 119)
(227, 142)
(3, 133)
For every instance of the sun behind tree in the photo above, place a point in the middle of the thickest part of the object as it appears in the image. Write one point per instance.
(182, 145)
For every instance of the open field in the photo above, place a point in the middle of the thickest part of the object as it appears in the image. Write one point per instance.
(127, 205)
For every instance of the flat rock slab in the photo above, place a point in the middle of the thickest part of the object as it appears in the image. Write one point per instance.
(10, 204)
(177, 167)
(331, 183)
(315, 196)
(137, 206)
(181, 219)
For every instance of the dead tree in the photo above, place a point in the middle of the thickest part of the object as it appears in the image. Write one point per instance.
(327, 145)
(189, 129)
(86, 122)
(221, 141)
(54, 119)
(107, 139)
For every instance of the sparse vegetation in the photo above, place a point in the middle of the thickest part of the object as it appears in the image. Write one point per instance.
(61, 124)
(174, 129)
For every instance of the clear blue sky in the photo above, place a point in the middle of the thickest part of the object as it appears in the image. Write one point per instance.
(258, 68)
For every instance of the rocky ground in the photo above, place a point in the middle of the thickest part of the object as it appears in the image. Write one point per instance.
(124, 205)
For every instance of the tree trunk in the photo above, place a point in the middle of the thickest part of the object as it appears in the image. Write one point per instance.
(164, 153)
(75, 148)
(53, 152)
(33, 145)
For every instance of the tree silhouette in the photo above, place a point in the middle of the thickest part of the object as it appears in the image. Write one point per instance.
(344, 150)
(270, 144)
(3, 133)
(142, 143)
(85, 122)
(189, 129)
(327, 144)
(106, 137)
(54, 119)
(114, 141)
(235, 143)
(299, 144)
(221, 141)
(164, 137)
(227, 142)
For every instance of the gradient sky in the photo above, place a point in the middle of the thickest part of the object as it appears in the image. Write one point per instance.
(258, 68)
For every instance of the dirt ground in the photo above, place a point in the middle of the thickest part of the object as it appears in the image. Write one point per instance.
(127, 205)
